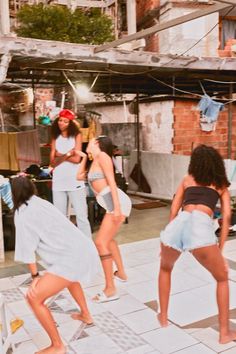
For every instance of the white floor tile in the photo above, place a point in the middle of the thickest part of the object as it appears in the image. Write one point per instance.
(126, 304)
(27, 347)
(149, 270)
(210, 338)
(197, 349)
(144, 292)
(186, 308)
(182, 281)
(141, 321)
(169, 339)
(144, 349)
(127, 325)
(19, 308)
(101, 344)
(6, 283)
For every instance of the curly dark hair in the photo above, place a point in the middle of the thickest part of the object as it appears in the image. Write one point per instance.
(22, 190)
(105, 144)
(73, 129)
(207, 167)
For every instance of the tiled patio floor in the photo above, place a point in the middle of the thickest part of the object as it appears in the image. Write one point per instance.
(129, 325)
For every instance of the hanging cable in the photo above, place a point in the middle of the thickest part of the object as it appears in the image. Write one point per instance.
(205, 35)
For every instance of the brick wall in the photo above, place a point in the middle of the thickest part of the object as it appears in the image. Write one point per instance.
(227, 51)
(143, 10)
(187, 132)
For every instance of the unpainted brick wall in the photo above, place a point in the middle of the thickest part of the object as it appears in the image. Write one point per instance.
(188, 134)
(143, 8)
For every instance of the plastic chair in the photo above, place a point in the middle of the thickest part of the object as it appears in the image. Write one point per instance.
(5, 331)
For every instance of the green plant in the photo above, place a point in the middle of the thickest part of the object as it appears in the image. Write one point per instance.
(60, 24)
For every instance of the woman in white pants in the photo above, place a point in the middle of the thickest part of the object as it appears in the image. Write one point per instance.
(66, 138)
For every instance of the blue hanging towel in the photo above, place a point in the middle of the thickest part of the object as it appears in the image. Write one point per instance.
(210, 109)
(5, 192)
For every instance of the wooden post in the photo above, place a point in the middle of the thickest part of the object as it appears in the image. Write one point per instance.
(230, 117)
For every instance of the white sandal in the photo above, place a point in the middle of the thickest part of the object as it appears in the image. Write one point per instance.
(102, 297)
(118, 278)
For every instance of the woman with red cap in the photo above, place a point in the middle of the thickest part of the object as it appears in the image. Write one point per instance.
(66, 138)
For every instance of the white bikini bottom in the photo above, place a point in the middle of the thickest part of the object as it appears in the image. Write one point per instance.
(104, 199)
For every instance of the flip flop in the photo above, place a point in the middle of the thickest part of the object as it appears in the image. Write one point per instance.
(118, 278)
(102, 297)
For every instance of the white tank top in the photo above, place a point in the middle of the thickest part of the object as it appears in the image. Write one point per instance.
(64, 175)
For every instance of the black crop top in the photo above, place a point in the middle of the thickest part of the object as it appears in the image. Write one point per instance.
(201, 195)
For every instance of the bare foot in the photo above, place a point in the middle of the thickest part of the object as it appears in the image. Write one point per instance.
(83, 318)
(163, 320)
(53, 350)
(122, 277)
(227, 337)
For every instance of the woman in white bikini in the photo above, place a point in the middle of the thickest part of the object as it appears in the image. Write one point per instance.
(117, 205)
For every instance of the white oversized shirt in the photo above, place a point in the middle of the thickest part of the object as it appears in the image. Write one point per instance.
(42, 228)
(64, 175)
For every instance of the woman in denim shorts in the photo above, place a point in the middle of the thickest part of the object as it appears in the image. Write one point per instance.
(191, 229)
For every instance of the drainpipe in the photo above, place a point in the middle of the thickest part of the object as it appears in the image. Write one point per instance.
(4, 64)
(4, 17)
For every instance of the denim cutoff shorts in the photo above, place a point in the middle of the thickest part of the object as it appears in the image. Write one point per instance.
(188, 231)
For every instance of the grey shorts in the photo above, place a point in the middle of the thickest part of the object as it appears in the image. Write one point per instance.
(104, 198)
(188, 231)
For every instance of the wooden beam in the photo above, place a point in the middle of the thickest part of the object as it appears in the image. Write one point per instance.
(229, 2)
(160, 27)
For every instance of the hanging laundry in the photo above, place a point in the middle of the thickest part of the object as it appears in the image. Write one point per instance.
(210, 109)
(5, 193)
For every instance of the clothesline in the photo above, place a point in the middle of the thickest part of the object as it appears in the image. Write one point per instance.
(187, 92)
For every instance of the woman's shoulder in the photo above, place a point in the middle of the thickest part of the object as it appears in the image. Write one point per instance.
(188, 181)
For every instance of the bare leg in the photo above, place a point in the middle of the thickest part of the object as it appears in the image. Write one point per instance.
(77, 293)
(106, 232)
(46, 287)
(211, 258)
(115, 251)
(168, 259)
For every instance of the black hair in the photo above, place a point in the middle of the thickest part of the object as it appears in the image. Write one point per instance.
(207, 167)
(22, 190)
(73, 129)
(105, 144)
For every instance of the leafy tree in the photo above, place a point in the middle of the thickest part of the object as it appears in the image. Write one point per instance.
(58, 23)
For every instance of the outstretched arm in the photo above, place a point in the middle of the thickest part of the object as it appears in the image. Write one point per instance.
(82, 172)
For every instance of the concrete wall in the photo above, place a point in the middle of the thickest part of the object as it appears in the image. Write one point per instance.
(178, 39)
(164, 172)
(156, 119)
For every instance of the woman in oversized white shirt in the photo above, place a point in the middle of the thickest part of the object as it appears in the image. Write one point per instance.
(69, 255)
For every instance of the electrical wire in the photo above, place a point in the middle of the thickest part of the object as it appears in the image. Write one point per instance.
(205, 35)
(187, 92)
(220, 82)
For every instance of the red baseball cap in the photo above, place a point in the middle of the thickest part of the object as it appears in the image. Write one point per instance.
(66, 113)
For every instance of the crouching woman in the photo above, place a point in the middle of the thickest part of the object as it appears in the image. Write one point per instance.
(69, 256)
